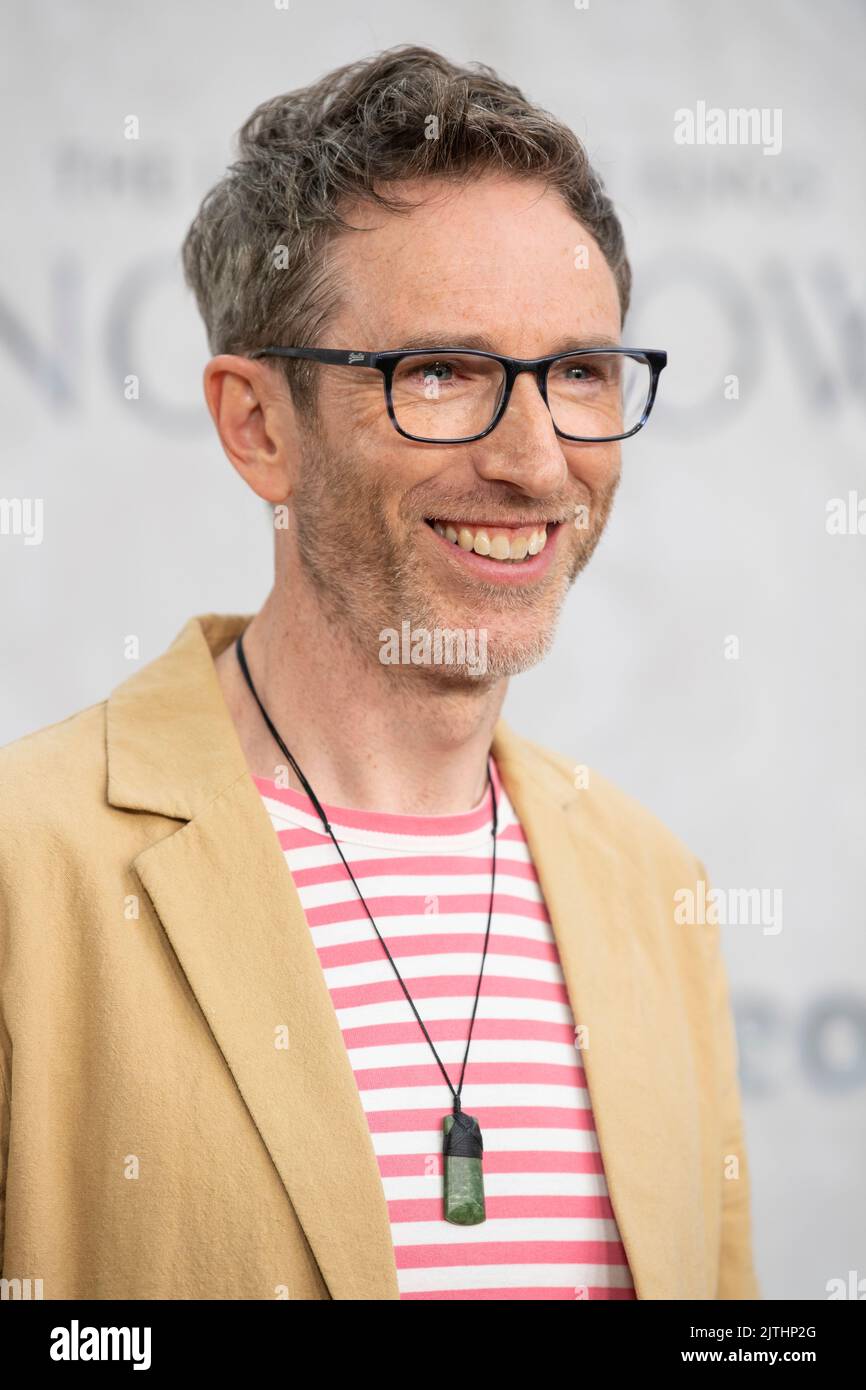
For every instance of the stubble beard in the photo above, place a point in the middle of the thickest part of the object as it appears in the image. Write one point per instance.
(366, 583)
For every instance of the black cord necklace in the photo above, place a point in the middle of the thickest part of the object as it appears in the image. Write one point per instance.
(463, 1146)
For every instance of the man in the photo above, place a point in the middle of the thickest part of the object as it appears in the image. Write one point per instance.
(318, 981)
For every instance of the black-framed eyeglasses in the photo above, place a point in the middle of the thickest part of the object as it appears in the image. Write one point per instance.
(595, 395)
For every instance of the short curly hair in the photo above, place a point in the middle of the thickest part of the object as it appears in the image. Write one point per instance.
(254, 254)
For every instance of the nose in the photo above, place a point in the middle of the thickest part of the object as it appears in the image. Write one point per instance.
(524, 449)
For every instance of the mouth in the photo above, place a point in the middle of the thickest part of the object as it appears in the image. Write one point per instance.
(511, 554)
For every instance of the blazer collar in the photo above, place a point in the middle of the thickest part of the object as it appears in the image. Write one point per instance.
(171, 715)
(220, 887)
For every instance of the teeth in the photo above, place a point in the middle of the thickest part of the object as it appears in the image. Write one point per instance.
(501, 547)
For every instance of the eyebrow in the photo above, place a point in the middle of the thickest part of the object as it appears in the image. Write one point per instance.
(439, 341)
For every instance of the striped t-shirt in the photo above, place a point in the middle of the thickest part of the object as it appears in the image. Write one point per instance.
(550, 1231)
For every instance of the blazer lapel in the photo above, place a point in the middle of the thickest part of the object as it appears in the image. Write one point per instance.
(635, 1056)
(229, 907)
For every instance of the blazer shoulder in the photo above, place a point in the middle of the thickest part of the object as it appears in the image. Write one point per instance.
(614, 815)
(52, 773)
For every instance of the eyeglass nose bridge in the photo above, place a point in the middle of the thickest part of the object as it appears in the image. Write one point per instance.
(514, 367)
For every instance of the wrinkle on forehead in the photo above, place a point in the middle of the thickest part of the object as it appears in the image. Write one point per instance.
(440, 261)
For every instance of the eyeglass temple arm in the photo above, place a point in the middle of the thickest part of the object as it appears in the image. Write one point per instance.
(342, 357)
(337, 357)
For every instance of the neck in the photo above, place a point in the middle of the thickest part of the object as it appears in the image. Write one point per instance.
(365, 735)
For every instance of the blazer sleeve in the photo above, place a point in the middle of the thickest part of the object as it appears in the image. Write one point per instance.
(736, 1272)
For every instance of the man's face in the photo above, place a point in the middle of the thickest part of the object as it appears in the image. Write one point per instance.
(493, 265)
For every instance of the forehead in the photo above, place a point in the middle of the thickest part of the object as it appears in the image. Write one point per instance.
(500, 256)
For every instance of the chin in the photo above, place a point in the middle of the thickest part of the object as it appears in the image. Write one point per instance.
(494, 657)
(511, 656)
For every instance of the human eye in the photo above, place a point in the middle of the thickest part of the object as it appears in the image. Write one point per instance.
(433, 375)
(438, 370)
(586, 372)
(582, 371)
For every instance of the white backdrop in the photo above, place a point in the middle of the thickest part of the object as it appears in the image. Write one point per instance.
(746, 264)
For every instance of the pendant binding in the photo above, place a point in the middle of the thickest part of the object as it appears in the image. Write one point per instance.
(462, 1148)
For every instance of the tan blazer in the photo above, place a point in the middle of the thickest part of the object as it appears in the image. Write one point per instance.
(156, 1143)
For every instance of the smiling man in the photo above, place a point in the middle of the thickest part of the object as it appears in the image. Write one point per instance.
(319, 981)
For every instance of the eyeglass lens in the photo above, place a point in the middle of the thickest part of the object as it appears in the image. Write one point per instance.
(451, 395)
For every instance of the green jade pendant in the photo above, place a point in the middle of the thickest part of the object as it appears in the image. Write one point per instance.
(464, 1178)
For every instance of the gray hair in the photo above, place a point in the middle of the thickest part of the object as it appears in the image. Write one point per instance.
(255, 253)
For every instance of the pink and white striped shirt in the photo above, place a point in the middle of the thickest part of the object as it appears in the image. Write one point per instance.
(550, 1231)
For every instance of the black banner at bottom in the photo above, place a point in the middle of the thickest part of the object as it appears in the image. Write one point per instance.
(63, 1337)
